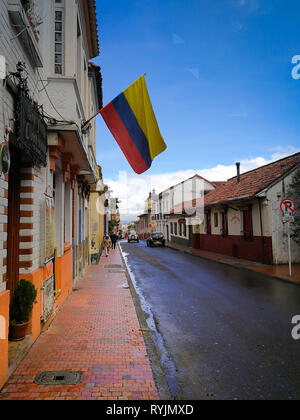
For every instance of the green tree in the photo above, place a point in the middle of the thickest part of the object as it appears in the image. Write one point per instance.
(294, 193)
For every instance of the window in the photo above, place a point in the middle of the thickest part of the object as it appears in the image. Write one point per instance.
(208, 222)
(184, 229)
(172, 231)
(224, 223)
(58, 52)
(175, 228)
(247, 222)
(216, 220)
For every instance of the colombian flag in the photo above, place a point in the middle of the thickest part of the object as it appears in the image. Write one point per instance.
(131, 120)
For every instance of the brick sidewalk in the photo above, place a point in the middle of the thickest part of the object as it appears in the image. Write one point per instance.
(280, 272)
(97, 332)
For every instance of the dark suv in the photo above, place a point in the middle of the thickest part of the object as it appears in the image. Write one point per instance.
(156, 239)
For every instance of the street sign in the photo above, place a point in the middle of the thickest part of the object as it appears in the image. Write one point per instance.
(288, 207)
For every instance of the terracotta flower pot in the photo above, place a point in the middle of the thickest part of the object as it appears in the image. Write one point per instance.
(17, 332)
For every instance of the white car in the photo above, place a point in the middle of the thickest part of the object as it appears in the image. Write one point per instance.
(133, 237)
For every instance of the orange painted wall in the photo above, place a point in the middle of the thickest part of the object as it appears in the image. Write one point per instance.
(64, 275)
(4, 312)
(63, 282)
(36, 278)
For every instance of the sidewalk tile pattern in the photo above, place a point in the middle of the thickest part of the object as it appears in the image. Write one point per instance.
(97, 332)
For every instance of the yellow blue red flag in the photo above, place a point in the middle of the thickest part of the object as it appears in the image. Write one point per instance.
(132, 122)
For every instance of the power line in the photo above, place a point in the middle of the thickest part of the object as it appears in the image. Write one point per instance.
(63, 121)
(41, 80)
(45, 88)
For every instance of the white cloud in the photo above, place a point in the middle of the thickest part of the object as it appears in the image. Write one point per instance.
(280, 152)
(134, 189)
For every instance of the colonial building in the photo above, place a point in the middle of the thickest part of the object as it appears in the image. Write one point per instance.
(50, 90)
(243, 217)
(97, 219)
(147, 220)
(175, 207)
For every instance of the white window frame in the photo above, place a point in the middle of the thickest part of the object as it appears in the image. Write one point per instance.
(59, 7)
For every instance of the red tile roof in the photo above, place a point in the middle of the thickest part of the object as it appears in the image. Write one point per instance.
(252, 182)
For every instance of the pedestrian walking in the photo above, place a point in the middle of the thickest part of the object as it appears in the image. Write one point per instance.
(107, 245)
(111, 235)
(114, 240)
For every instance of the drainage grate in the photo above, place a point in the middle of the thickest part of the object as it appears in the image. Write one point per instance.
(113, 266)
(58, 378)
(116, 271)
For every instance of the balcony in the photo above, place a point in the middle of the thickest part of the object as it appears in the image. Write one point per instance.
(65, 96)
(72, 143)
(25, 31)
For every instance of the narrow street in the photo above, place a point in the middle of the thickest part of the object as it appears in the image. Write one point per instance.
(223, 333)
(116, 130)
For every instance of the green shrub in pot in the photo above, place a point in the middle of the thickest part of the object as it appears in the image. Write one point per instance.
(22, 302)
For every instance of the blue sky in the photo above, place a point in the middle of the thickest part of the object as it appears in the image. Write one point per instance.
(218, 74)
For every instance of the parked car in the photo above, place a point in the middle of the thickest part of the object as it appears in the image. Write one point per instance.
(156, 239)
(133, 237)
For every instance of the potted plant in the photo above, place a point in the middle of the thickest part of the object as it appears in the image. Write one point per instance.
(21, 308)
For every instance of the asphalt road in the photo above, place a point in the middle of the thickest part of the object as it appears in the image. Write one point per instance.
(222, 332)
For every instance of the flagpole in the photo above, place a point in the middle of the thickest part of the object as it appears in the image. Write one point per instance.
(88, 121)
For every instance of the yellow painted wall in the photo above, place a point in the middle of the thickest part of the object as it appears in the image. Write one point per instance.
(96, 218)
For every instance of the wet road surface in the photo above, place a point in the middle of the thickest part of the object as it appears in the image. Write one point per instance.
(223, 333)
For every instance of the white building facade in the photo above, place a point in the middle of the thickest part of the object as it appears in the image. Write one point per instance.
(50, 89)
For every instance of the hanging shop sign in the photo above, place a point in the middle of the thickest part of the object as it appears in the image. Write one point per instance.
(32, 132)
(4, 158)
